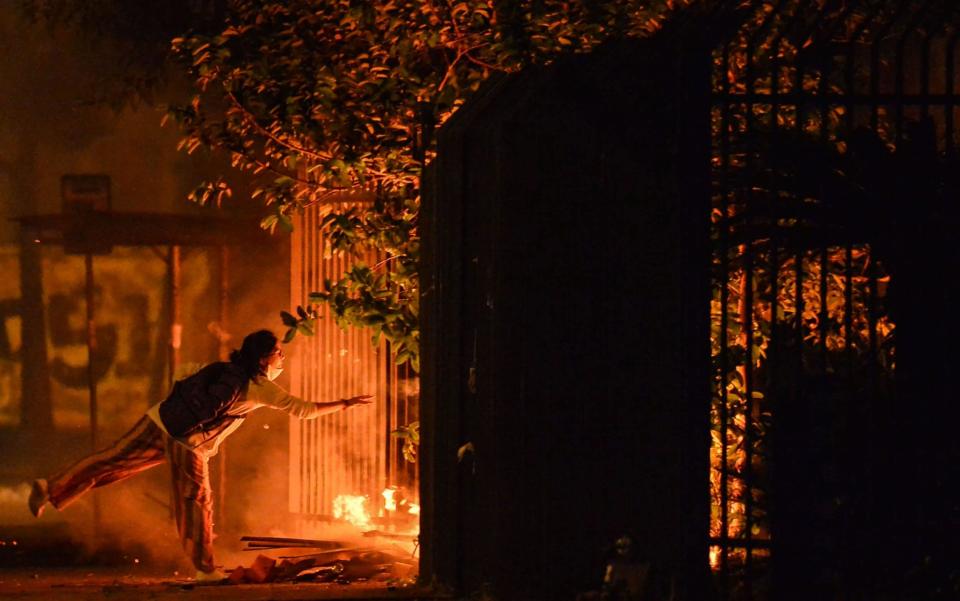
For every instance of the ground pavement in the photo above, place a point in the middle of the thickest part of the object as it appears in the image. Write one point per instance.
(123, 584)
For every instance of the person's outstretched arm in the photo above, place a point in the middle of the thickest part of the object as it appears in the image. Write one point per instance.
(271, 394)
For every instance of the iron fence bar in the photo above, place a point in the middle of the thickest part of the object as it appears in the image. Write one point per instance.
(724, 320)
(392, 422)
(747, 304)
(875, 63)
(834, 98)
(824, 313)
(747, 311)
(773, 353)
(850, 94)
(747, 319)
(801, 54)
(899, 76)
(798, 326)
(824, 106)
(944, 25)
(775, 68)
(848, 327)
(925, 71)
(950, 74)
(798, 267)
(850, 74)
(873, 366)
(749, 47)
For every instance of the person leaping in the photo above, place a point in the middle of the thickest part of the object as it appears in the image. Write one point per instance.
(185, 430)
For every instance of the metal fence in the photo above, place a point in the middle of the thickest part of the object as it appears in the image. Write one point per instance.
(822, 113)
(352, 452)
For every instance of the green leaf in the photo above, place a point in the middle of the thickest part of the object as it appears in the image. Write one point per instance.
(291, 333)
(269, 222)
(288, 319)
(285, 222)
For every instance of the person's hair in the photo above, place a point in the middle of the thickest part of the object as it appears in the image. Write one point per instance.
(256, 346)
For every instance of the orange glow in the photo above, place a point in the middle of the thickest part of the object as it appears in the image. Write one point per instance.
(341, 463)
(394, 500)
(389, 502)
(351, 508)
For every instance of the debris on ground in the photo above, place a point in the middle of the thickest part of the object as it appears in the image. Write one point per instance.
(330, 561)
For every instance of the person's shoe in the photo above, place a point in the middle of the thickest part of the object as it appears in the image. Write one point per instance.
(39, 496)
(210, 577)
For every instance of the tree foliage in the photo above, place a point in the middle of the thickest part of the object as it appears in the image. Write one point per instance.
(320, 98)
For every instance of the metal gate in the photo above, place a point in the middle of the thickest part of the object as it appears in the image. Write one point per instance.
(822, 113)
(353, 452)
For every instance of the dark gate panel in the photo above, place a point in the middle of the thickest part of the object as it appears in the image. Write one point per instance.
(565, 353)
(834, 212)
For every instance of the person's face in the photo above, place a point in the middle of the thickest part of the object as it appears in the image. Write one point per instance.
(273, 363)
(276, 357)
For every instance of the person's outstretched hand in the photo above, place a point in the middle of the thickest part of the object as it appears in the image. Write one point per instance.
(363, 399)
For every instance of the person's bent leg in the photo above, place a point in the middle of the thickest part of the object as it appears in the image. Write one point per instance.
(137, 450)
(193, 504)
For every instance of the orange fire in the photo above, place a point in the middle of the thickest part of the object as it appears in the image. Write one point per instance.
(394, 500)
(714, 558)
(389, 499)
(351, 508)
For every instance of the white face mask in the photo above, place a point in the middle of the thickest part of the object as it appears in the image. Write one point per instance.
(273, 372)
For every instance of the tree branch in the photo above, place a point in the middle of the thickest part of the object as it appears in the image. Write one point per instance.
(270, 136)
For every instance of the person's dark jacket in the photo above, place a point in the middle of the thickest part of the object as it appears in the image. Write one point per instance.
(201, 401)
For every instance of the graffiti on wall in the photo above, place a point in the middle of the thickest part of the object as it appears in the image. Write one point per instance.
(129, 364)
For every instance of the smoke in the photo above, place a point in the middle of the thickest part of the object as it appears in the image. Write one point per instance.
(13, 504)
(256, 500)
(134, 527)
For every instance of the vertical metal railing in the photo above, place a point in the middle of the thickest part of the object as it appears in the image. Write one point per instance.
(351, 452)
(811, 75)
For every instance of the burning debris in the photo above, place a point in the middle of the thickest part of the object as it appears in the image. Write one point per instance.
(383, 555)
(331, 561)
(398, 510)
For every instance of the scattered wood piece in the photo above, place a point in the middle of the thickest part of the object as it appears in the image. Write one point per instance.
(332, 553)
(259, 571)
(274, 542)
(392, 535)
(341, 564)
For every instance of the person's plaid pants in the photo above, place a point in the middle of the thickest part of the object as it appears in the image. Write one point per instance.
(143, 447)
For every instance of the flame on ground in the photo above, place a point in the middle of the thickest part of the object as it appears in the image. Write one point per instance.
(351, 508)
(389, 500)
